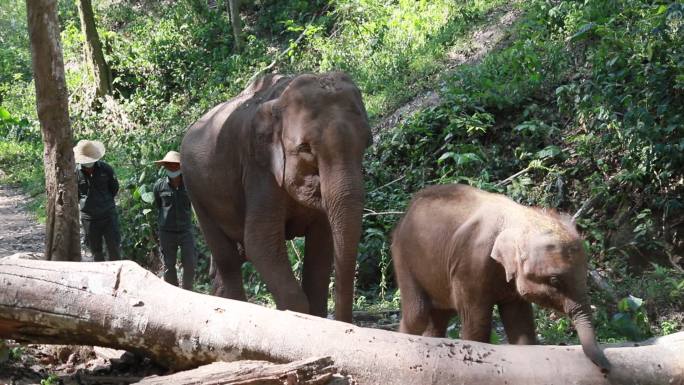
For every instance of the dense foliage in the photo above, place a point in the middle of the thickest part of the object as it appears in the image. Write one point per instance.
(584, 103)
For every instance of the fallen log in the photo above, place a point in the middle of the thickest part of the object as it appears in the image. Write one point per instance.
(317, 371)
(122, 306)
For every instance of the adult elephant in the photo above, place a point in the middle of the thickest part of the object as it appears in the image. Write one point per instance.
(280, 160)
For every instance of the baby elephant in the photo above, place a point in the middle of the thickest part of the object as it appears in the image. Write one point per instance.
(461, 249)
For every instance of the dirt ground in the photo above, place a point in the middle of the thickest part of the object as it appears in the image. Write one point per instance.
(19, 232)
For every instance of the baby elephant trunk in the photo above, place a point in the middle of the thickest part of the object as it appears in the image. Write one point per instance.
(580, 313)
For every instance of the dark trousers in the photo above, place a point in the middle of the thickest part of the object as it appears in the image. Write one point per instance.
(170, 242)
(105, 228)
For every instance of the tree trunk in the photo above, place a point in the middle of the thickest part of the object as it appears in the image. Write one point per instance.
(121, 305)
(93, 49)
(62, 233)
(234, 14)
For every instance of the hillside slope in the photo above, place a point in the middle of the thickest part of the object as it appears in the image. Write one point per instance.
(581, 111)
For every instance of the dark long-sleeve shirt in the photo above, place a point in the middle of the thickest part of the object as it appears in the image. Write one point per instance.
(96, 192)
(173, 206)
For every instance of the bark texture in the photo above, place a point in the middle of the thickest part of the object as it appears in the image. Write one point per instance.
(234, 13)
(93, 49)
(121, 305)
(62, 232)
(306, 372)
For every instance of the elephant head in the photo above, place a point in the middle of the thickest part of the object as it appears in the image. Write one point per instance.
(549, 266)
(312, 137)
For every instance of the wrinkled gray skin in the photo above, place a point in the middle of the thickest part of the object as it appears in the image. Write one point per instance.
(462, 250)
(282, 159)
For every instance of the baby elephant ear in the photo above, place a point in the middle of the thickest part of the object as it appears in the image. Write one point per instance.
(506, 251)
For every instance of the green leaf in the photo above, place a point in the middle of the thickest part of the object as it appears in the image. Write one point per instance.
(622, 307)
(147, 197)
(634, 303)
(375, 232)
(548, 152)
(146, 211)
(445, 156)
(494, 338)
(469, 158)
(630, 303)
(583, 32)
(4, 114)
(460, 159)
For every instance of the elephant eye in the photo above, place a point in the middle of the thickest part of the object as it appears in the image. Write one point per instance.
(304, 147)
(555, 281)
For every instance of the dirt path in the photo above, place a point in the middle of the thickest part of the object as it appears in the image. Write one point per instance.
(19, 231)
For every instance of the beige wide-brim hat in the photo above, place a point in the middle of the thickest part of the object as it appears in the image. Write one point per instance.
(170, 157)
(88, 151)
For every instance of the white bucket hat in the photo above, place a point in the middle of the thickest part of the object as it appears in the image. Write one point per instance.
(88, 151)
(170, 157)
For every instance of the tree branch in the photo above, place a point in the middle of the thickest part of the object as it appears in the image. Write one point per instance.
(370, 213)
(388, 184)
(517, 174)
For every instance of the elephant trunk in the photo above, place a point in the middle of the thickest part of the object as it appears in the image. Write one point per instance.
(580, 313)
(343, 202)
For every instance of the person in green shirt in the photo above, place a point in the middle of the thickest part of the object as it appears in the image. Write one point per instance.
(174, 220)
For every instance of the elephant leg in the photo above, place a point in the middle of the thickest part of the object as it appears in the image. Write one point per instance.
(476, 323)
(439, 320)
(415, 306)
(518, 320)
(225, 257)
(318, 259)
(265, 246)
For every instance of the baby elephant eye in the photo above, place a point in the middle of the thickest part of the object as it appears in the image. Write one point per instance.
(304, 147)
(555, 281)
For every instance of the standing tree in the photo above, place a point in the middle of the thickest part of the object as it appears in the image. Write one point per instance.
(93, 49)
(234, 13)
(62, 232)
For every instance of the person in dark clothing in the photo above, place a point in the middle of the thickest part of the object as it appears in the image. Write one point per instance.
(97, 187)
(174, 219)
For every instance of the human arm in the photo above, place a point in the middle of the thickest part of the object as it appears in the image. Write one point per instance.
(157, 197)
(113, 184)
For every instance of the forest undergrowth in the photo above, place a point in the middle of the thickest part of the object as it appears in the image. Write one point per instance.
(580, 110)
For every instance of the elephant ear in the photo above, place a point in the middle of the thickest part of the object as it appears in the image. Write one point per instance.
(267, 139)
(507, 251)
